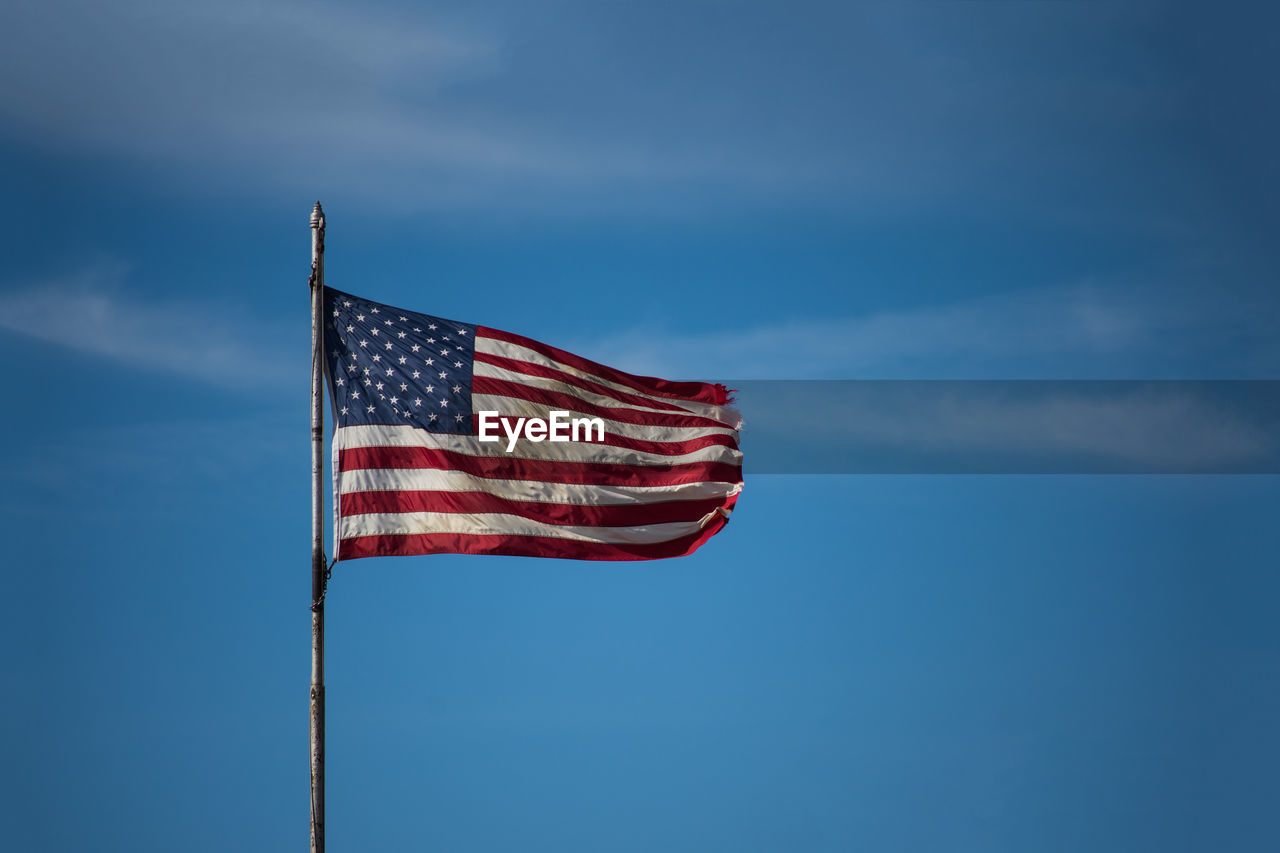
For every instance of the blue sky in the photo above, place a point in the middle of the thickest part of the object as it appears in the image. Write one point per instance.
(705, 190)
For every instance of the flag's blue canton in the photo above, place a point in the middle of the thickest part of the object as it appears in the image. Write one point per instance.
(390, 366)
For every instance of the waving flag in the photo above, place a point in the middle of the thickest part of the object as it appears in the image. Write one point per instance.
(457, 438)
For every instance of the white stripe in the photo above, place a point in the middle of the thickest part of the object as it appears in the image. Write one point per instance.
(491, 371)
(493, 346)
(501, 524)
(535, 491)
(378, 435)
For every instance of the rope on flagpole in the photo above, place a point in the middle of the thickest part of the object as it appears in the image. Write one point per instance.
(324, 587)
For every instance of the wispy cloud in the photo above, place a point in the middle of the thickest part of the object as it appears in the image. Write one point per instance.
(91, 313)
(870, 105)
(353, 99)
(1069, 332)
(1079, 331)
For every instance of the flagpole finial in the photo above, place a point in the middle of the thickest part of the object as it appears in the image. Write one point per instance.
(317, 216)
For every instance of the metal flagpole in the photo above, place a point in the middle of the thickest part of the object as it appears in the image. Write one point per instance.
(317, 532)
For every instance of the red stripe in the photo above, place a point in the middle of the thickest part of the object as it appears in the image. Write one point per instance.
(510, 468)
(622, 515)
(663, 448)
(528, 368)
(561, 400)
(703, 392)
(522, 546)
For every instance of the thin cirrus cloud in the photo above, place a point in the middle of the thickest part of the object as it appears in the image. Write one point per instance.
(511, 105)
(909, 426)
(1076, 331)
(261, 89)
(1070, 332)
(286, 94)
(89, 313)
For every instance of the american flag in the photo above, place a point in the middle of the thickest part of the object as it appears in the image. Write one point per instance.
(411, 475)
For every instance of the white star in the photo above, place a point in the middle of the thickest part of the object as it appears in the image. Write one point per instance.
(351, 328)
(418, 402)
(395, 400)
(364, 343)
(416, 374)
(375, 310)
(386, 322)
(457, 389)
(433, 416)
(355, 395)
(403, 359)
(404, 319)
(369, 409)
(416, 329)
(404, 387)
(388, 344)
(367, 381)
(360, 318)
(430, 388)
(431, 340)
(346, 303)
(344, 410)
(458, 418)
(401, 334)
(373, 332)
(444, 375)
(377, 357)
(444, 404)
(462, 332)
(366, 371)
(432, 327)
(335, 312)
(379, 386)
(446, 337)
(415, 348)
(444, 352)
(457, 364)
(429, 362)
(389, 371)
(339, 381)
